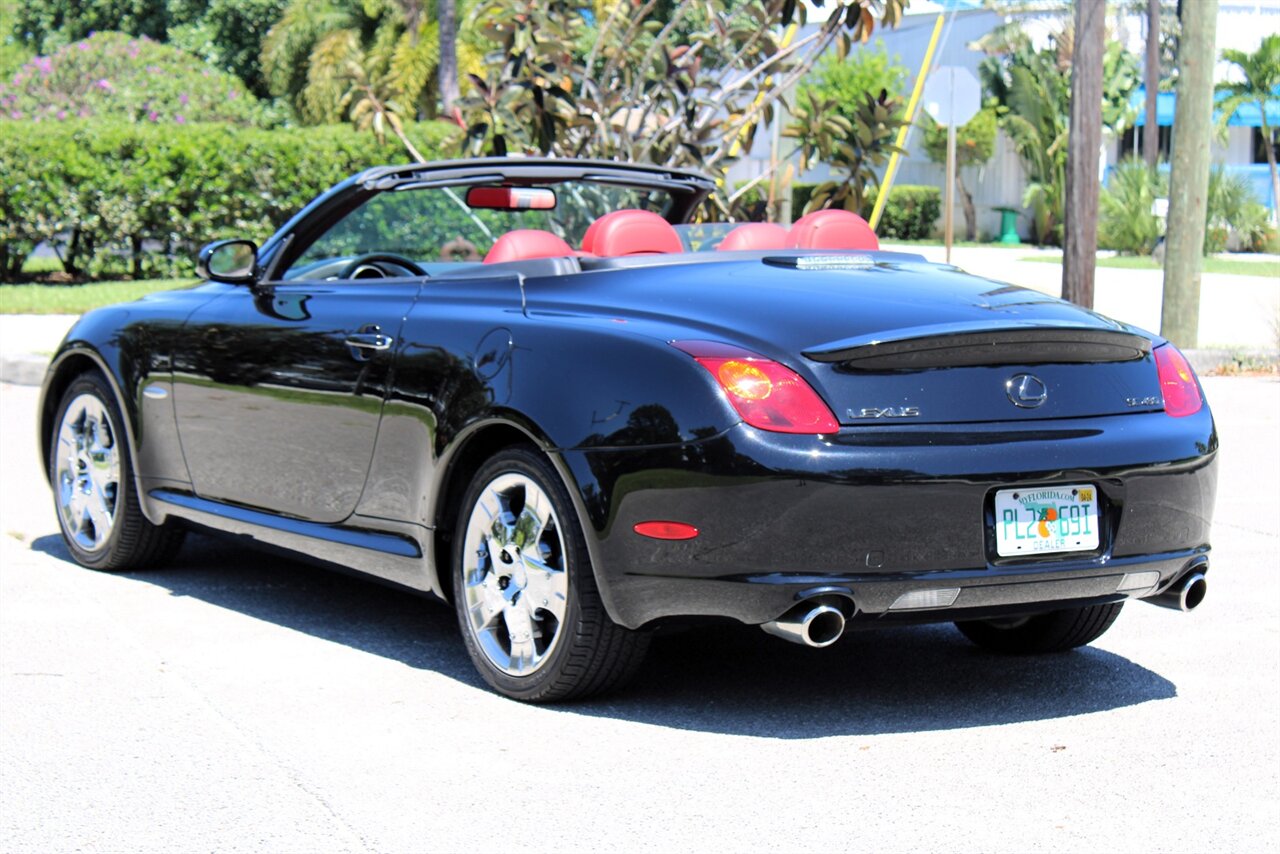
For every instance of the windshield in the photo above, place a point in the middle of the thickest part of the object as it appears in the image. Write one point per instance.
(436, 229)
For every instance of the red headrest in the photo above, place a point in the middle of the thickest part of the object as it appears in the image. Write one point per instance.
(832, 229)
(526, 243)
(631, 232)
(755, 235)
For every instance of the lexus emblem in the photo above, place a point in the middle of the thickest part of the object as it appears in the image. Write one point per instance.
(1026, 391)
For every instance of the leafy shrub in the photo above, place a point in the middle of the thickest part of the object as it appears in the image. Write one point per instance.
(105, 195)
(114, 76)
(1232, 208)
(909, 214)
(1125, 220)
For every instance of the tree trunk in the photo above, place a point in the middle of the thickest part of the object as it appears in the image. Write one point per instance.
(1151, 131)
(970, 213)
(135, 250)
(1080, 226)
(448, 71)
(73, 249)
(1189, 175)
(1271, 162)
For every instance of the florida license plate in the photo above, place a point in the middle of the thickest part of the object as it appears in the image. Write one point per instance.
(1046, 519)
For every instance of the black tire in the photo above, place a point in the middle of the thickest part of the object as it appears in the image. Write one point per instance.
(130, 541)
(1056, 631)
(586, 653)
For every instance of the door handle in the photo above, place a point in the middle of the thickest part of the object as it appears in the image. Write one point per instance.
(370, 341)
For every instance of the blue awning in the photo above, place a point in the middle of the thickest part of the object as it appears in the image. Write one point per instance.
(1247, 115)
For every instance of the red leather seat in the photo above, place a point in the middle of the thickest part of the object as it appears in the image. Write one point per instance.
(754, 235)
(631, 232)
(526, 243)
(832, 229)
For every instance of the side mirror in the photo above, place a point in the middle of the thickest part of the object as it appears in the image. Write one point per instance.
(232, 261)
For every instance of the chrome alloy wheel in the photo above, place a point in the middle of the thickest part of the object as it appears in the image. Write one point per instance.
(515, 579)
(87, 475)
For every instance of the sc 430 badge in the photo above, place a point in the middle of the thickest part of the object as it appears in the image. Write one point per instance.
(885, 412)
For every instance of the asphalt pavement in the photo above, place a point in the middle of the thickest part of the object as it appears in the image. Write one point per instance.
(236, 701)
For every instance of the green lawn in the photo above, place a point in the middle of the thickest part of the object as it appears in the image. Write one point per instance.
(77, 299)
(1211, 265)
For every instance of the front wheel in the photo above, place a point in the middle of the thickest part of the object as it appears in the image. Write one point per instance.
(1056, 631)
(93, 485)
(526, 598)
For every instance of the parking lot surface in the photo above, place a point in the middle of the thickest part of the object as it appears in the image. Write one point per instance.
(237, 701)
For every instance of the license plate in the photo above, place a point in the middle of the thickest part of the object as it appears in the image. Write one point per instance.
(1046, 519)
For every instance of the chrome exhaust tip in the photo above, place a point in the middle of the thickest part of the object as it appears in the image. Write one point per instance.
(814, 625)
(1185, 594)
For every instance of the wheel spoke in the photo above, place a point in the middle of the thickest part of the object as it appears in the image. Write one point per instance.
(484, 603)
(546, 587)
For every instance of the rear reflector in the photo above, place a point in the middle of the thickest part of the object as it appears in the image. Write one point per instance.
(665, 530)
(942, 598)
(1177, 382)
(1134, 581)
(767, 394)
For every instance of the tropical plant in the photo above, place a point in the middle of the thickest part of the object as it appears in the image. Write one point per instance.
(686, 89)
(856, 148)
(307, 54)
(1126, 217)
(1261, 73)
(975, 144)
(869, 69)
(133, 79)
(1232, 206)
(1032, 89)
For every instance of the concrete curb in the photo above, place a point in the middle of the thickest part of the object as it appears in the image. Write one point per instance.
(23, 368)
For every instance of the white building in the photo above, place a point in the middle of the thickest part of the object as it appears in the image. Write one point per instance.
(1241, 25)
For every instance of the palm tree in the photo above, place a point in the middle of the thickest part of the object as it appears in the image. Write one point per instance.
(447, 15)
(308, 53)
(1261, 70)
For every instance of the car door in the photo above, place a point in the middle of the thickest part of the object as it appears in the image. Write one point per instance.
(279, 390)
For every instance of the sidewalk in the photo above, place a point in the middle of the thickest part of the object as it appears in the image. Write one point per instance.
(26, 343)
(1237, 313)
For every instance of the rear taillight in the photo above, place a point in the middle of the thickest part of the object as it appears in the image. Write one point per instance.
(766, 394)
(1177, 382)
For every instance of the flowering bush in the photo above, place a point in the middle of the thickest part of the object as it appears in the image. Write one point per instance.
(112, 75)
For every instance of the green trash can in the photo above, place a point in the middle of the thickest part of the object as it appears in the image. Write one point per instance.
(1008, 227)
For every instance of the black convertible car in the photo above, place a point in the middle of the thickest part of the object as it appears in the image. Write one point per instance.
(529, 387)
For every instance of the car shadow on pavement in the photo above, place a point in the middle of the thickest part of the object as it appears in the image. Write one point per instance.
(728, 678)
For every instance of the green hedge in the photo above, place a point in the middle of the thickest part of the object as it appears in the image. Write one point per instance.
(108, 188)
(909, 214)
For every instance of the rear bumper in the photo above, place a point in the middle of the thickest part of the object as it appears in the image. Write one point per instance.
(874, 514)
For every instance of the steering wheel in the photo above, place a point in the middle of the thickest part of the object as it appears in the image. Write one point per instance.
(367, 266)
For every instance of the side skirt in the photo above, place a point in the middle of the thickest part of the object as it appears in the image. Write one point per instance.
(390, 555)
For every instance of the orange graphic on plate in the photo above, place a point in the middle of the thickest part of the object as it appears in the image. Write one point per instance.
(1047, 515)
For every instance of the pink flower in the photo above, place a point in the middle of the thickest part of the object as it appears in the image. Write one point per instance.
(183, 99)
(62, 115)
(83, 45)
(15, 114)
(232, 94)
(153, 115)
(104, 84)
(180, 120)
